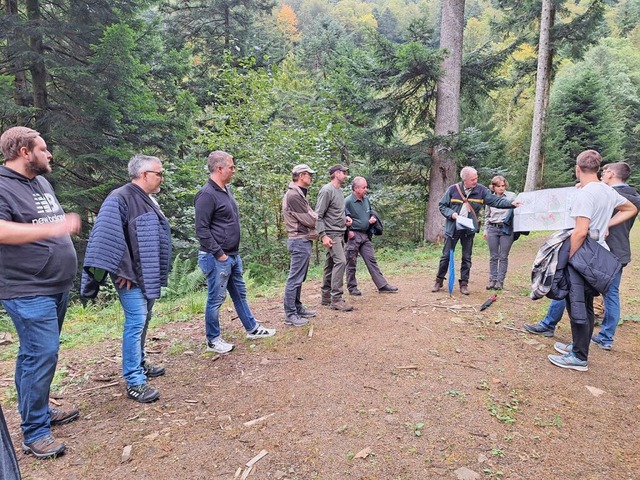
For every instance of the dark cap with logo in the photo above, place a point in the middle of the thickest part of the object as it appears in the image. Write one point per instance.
(338, 168)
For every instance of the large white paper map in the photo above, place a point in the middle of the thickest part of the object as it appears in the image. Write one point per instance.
(544, 210)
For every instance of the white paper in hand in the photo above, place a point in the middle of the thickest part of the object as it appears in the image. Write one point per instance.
(464, 223)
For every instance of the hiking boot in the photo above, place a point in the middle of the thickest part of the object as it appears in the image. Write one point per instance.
(538, 329)
(491, 285)
(295, 321)
(47, 447)
(601, 344)
(563, 347)
(569, 360)
(498, 286)
(261, 332)
(151, 371)
(437, 285)
(341, 306)
(326, 299)
(464, 289)
(355, 292)
(143, 393)
(219, 346)
(388, 289)
(306, 313)
(62, 417)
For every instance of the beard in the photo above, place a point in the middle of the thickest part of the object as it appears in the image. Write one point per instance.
(36, 167)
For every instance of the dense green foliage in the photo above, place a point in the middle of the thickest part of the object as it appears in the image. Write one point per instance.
(306, 81)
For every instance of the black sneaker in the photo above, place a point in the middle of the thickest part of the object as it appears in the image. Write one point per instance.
(143, 393)
(47, 447)
(355, 292)
(151, 371)
(388, 289)
(62, 417)
(538, 329)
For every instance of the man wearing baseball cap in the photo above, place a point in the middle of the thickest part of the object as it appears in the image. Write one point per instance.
(331, 225)
(300, 222)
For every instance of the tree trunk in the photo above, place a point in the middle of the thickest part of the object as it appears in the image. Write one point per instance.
(543, 84)
(20, 86)
(37, 67)
(443, 164)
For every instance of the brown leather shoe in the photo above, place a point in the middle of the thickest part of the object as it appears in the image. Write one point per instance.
(341, 305)
(47, 447)
(437, 285)
(62, 417)
(464, 289)
(326, 300)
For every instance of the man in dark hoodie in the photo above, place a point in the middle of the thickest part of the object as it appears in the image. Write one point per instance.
(37, 267)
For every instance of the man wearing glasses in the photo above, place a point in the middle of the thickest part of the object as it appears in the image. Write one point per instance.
(300, 222)
(218, 230)
(131, 241)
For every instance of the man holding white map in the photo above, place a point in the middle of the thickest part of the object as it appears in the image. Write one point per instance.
(460, 205)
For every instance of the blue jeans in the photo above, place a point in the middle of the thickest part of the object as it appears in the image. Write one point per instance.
(554, 314)
(38, 321)
(300, 250)
(222, 277)
(137, 313)
(611, 312)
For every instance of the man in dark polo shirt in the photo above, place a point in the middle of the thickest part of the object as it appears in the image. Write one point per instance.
(363, 219)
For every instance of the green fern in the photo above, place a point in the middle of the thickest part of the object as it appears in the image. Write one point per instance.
(185, 278)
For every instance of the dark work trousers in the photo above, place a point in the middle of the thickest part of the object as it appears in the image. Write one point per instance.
(581, 332)
(360, 244)
(466, 240)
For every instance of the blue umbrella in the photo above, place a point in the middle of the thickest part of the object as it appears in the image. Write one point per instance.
(452, 272)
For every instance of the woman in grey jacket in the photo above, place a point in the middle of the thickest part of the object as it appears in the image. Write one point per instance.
(498, 232)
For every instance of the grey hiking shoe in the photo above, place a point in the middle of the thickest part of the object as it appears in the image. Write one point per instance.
(143, 393)
(601, 344)
(538, 329)
(219, 346)
(563, 347)
(306, 313)
(295, 321)
(47, 447)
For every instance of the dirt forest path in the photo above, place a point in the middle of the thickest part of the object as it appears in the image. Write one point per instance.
(409, 386)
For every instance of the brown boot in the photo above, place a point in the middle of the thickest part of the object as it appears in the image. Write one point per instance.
(464, 289)
(326, 299)
(341, 305)
(437, 285)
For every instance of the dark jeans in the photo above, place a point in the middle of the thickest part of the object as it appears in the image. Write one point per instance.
(581, 332)
(38, 321)
(466, 240)
(300, 250)
(360, 244)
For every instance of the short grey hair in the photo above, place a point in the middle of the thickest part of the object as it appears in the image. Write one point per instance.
(357, 181)
(140, 164)
(217, 159)
(466, 172)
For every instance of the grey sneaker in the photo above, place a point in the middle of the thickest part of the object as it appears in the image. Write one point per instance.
(563, 347)
(261, 332)
(296, 321)
(47, 447)
(538, 329)
(601, 344)
(143, 393)
(219, 346)
(306, 313)
(569, 360)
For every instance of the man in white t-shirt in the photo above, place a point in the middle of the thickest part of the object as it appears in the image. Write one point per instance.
(592, 210)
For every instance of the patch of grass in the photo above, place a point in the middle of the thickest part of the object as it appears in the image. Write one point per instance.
(455, 393)
(504, 411)
(416, 428)
(554, 421)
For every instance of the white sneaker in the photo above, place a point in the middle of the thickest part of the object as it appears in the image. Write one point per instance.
(261, 332)
(219, 346)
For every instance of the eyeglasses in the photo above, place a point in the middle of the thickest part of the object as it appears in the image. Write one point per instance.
(160, 174)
